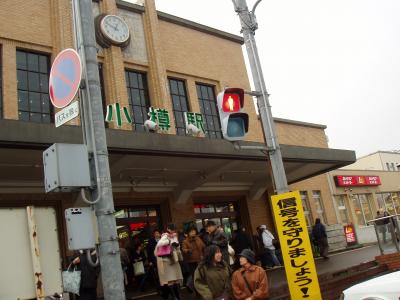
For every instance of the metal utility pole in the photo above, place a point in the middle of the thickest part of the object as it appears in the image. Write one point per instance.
(249, 26)
(95, 138)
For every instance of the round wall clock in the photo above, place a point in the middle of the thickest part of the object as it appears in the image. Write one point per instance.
(112, 30)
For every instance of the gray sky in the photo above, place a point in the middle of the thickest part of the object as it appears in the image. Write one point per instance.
(330, 62)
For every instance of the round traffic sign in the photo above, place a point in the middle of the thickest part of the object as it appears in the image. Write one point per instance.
(65, 77)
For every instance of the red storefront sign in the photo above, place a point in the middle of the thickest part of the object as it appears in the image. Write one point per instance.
(357, 180)
(350, 234)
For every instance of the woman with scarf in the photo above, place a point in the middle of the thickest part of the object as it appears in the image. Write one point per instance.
(168, 255)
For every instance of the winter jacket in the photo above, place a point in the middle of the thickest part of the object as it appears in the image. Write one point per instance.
(319, 232)
(257, 279)
(89, 274)
(169, 270)
(193, 249)
(268, 238)
(219, 239)
(212, 282)
(151, 246)
(241, 242)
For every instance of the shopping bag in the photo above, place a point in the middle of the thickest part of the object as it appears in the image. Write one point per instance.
(138, 268)
(71, 280)
(164, 251)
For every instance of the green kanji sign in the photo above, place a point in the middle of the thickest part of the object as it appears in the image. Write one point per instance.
(115, 110)
(160, 117)
(195, 119)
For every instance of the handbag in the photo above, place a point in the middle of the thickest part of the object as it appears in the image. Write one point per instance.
(71, 280)
(138, 268)
(164, 251)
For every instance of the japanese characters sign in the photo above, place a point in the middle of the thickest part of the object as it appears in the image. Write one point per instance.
(350, 234)
(357, 180)
(114, 112)
(121, 114)
(296, 247)
(160, 117)
(195, 119)
(67, 114)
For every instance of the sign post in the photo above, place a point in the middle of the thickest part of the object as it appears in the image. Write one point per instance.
(295, 243)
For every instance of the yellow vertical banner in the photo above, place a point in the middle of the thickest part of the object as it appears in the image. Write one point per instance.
(295, 243)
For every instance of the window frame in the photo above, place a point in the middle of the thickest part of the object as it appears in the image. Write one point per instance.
(1, 82)
(142, 90)
(216, 130)
(179, 129)
(28, 90)
(322, 214)
(307, 210)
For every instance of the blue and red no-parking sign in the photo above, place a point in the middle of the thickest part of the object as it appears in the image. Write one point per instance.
(65, 77)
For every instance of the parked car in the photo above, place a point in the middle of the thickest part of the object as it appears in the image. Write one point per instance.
(385, 287)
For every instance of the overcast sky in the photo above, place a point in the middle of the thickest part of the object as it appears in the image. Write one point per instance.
(331, 62)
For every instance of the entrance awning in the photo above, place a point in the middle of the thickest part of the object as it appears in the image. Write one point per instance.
(160, 162)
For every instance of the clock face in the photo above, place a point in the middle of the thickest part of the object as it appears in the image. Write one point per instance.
(115, 29)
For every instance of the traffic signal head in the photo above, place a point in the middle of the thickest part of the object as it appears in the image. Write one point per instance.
(234, 122)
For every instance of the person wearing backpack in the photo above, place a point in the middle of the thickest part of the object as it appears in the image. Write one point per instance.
(250, 281)
(212, 276)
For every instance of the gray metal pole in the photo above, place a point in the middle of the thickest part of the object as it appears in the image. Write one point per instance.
(110, 261)
(249, 26)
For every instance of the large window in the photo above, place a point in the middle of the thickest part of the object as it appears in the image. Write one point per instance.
(103, 94)
(138, 97)
(319, 206)
(33, 87)
(179, 104)
(208, 107)
(362, 208)
(389, 202)
(223, 214)
(342, 209)
(1, 84)
(306, 208)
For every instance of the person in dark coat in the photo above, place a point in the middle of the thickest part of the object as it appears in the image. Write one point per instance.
(217, 238)
(137, 257)
(152, 259)
(89, 274)
(319, 235)
(241, 241)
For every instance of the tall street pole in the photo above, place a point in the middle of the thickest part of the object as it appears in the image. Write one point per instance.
(95, 138)
(249, 26)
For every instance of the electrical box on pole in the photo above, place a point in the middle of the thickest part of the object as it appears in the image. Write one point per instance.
(80, 228)
(66, 168)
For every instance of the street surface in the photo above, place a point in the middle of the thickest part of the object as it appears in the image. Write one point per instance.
(336, 262)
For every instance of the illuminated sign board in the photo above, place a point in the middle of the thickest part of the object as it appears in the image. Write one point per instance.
(350, 234)
(357, 180)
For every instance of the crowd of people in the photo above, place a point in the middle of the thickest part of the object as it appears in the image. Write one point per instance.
(206, 263)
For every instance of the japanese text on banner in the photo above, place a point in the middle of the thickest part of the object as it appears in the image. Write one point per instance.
(296, 247)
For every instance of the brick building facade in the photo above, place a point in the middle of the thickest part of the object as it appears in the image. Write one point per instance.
(157, 177)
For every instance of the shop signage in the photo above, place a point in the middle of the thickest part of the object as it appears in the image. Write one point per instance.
(350, 234)
(296, 247)
(120, 114)
(357, 180)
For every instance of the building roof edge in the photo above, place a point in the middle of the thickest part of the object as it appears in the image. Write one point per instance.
(294, 122)
(200, 27)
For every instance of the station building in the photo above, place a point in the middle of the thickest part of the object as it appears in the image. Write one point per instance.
(169, 63)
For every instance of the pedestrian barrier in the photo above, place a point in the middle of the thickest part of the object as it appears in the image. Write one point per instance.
(382, 226)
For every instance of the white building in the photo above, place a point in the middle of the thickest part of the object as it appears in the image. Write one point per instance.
(379, 161)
